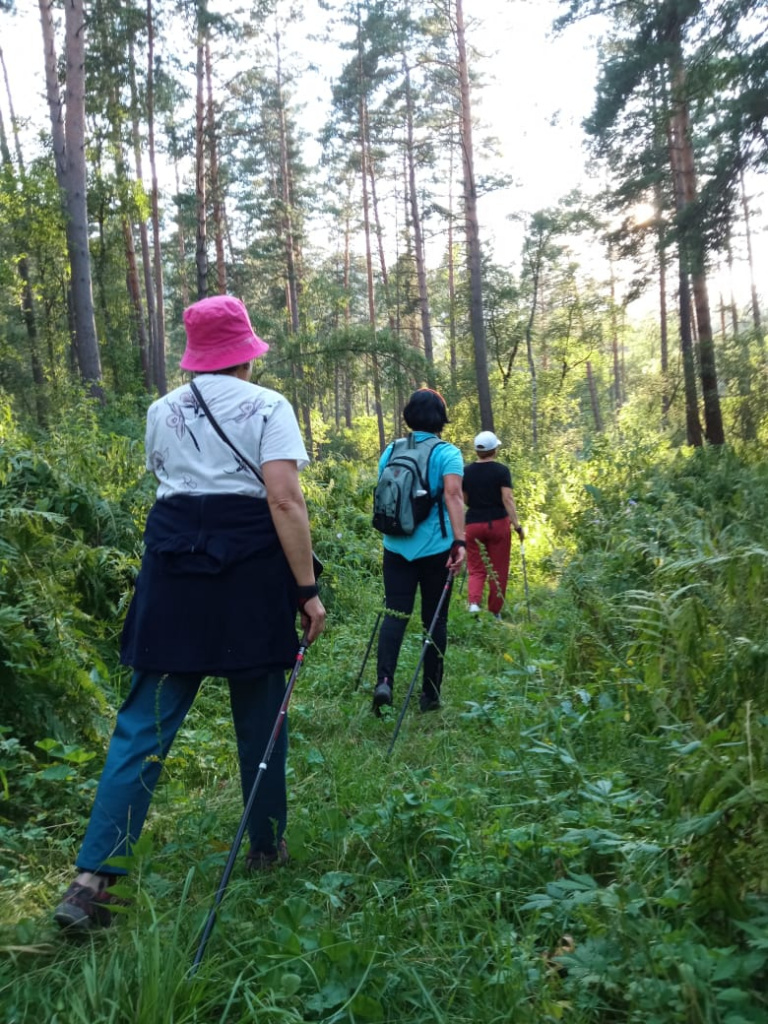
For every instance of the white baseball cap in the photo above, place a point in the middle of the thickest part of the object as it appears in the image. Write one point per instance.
(486, 441)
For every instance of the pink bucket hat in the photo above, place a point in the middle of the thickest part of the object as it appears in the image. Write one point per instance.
(219, 335)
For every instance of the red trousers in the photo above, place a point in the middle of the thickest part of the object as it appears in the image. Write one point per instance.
(488, 556)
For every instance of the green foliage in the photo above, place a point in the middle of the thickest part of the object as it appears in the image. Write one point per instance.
(69, 555)
(580, 833)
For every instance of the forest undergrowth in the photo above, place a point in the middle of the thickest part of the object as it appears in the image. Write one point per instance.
(578, 835)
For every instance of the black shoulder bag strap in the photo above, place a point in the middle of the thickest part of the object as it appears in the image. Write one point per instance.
(317, 565)
(215, 424)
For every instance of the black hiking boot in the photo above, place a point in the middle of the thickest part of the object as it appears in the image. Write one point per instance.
(260, 860)
(382, 695)
(429, 700)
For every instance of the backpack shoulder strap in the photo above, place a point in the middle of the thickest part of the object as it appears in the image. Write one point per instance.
(435, 442)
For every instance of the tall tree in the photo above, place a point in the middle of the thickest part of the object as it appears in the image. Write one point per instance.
(67, 116)
(157, 277)
(472, 226)
(672, 17)
(22, 261)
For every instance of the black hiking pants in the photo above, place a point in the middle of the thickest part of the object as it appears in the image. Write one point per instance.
(401, 581)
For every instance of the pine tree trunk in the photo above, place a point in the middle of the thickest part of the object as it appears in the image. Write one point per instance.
(290, 245)
(474, 259)
(532, 366)
(68, 134)
(593, 399)
(22, 263)
(756, 320)
(663, 325)
(393, 326)
(347, 318)
(367, 234)
(684, 176)
(159, 346)
(132, 271)
(617, 397)
(201, 250)
(418, 238)
(216, 201)
(134, 291)
(692, 422)
(182, 249)
(451, 276)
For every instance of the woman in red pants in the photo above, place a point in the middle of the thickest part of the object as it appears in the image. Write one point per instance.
(490, 514)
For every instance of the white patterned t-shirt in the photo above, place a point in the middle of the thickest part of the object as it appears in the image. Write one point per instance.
(187, 455)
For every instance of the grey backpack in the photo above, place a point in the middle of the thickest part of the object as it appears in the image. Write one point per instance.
(402, 498)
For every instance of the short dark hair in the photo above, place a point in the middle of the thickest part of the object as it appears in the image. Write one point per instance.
(426, 411)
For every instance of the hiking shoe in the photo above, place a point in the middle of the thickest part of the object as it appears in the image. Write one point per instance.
(474, 609)
(83, 907)
(429, 702)
(261, 860)
(382, 695)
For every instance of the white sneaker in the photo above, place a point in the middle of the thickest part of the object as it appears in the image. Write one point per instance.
(474, 609)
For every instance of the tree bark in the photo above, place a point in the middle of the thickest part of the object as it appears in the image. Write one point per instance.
(663, 323)
(68, 133)
(474, 256)
(159, 349)
(201, 253)
(391, 320)
(684, 176)
(22, 263)
(216, 200)
(532, 365)
(597, 416)
(146, 258)
(617, 395)
(367, 234)
(756, 319)
(692, 422)
(290, 244)
(418, 238)
(451, 276)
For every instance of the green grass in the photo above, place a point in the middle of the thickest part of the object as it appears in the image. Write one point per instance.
(578, 835)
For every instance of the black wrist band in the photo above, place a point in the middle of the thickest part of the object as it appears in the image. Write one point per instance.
(461, 543)
(305, 593)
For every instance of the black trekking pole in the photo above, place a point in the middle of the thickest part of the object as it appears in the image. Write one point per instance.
(211, 919)
(368, 648)
(427, 642)
(525, 580)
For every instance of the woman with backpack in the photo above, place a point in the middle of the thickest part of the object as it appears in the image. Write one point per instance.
(421, 560)
(490, 511)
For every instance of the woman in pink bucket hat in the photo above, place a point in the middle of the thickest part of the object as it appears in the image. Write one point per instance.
(227, 566)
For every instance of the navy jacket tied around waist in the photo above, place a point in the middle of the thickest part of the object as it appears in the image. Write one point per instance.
(214, 593)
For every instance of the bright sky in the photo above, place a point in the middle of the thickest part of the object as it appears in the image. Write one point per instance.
(537, 91)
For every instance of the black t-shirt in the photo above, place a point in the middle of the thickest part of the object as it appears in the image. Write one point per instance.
(482, 485)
